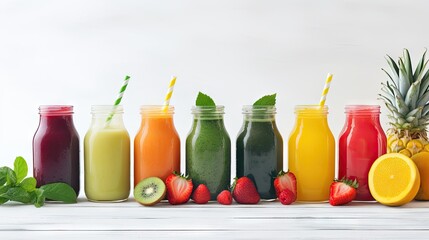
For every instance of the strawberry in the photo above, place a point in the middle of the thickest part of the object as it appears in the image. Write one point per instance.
(285, 180)
(342, 191)
(179, 188)
(224, 197)
(244, 191)
(201, 194)
(287, 197)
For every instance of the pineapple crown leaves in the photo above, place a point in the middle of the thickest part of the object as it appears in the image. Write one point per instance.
(406, 93)
(352, 183)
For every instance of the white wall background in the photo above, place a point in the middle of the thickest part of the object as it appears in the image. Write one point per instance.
(77, 52)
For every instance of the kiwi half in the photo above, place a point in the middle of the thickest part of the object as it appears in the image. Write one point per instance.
(150, 191)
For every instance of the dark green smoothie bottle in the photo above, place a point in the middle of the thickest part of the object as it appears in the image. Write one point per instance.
(208, 150)
(260, 149)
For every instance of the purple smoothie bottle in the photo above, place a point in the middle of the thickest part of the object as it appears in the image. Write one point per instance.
(56, 147)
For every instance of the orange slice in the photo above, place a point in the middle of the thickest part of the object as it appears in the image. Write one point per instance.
(394, 179)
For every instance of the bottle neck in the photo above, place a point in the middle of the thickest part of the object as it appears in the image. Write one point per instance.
(208, 113)
(259, 113)
(56, 115)
(156, 111)
(362, 114)
(107, 116)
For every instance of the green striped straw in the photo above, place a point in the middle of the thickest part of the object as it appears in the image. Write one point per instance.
(118, 100)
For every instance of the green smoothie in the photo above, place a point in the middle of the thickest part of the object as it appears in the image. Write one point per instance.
(208, 150)
(260, 154)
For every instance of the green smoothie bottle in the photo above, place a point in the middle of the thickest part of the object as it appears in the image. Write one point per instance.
(208, 150)
(260, 149)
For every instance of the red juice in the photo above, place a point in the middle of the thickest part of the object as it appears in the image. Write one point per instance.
(361, 142)
(56, 147)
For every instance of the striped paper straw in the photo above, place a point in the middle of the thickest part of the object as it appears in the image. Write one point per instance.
(118, 99)
(325, 90)
(169, 94)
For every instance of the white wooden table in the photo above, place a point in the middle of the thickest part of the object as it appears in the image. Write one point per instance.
(129, 220)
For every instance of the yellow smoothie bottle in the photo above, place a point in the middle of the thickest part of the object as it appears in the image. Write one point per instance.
(107, 157)
(312, 153)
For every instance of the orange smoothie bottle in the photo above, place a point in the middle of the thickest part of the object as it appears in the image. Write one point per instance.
(156, 145)
(312, 153)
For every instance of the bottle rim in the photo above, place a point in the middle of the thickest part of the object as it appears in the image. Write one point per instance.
(259, 110)
(311, 109)
(362, 109)
(156, 110)
(56, 110)
(218, 109)
(107, 109)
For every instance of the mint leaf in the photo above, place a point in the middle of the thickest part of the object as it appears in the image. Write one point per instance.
(17, 194)
(59, 192)
(204, 100)
(20, 167)
(29, 184)
(268, 100)
(39, 198)
(3, 189)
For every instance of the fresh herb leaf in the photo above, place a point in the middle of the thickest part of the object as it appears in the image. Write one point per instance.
(17, 194)
(3, 174)
(29, 184)
(3, 189)
(39, 197)
(21, 169)
(204, 100)
(268, 100)
(59, 192)
(11, 179)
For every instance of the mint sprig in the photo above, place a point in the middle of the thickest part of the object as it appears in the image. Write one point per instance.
(14, 186)
(268, 100)
(204, 100)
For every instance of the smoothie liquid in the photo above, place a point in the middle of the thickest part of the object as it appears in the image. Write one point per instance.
(208, 150)
(260, 149)
(56, 147)
(361, 142)
(156, 145)
(312, 153)
(107, 157)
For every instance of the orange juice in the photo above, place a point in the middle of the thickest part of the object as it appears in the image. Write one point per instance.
(156, 145)
(312, 153)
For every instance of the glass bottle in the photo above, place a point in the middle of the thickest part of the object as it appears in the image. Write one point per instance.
(107, 156)
(259, 149)
(56, 147)
(361, 142)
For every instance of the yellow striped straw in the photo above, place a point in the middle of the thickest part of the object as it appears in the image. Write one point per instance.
(325, 90)
(169, 94)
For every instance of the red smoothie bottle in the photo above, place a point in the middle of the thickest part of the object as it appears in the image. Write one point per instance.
(361, 142)
(56, 147)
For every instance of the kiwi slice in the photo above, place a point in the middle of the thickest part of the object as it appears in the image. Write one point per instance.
(150, 191)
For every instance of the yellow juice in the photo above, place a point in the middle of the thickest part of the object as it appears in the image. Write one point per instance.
(312, 153)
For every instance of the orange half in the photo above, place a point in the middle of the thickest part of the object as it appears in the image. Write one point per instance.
(394, 179)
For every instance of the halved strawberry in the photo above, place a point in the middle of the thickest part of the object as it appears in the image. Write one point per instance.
(224, 197)
(244, 191)
(179, 188)
(342, 191)
(201, 194)
(285, 180)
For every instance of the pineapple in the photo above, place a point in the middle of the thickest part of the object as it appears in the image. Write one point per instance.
(406, 95)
